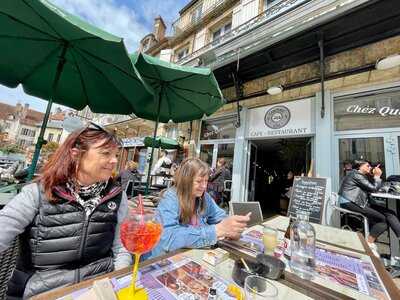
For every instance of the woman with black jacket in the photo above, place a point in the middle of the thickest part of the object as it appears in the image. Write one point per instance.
(354, 194)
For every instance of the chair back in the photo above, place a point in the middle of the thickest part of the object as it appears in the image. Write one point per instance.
(8, 259)
(334, 200)
(227, 185)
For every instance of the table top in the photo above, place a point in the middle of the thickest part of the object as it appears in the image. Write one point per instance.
(291, 286)
(328, 235)
(5, 198)
(347, 242)
(385, 195)
(223, 269)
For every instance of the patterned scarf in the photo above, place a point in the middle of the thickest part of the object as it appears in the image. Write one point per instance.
(88, 196)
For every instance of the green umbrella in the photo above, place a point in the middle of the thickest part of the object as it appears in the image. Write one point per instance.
(160, 142)
(181, 93)
(59, 57)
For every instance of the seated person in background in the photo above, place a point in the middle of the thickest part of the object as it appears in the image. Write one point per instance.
(354, 195)
(162, 167)
(69, 217)
(217, 180)
(190, 216)
(130, 173)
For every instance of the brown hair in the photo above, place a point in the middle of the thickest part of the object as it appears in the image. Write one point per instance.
(184, 178)
(62, 166)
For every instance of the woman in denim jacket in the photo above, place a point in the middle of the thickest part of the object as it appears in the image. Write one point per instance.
(190, 215)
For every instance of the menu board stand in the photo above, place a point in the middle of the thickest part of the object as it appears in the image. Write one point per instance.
(310, 194)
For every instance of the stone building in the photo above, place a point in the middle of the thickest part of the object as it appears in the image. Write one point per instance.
(310, 86)
(19, 124)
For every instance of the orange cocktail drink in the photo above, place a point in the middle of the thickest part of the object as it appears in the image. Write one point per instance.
(140, 232)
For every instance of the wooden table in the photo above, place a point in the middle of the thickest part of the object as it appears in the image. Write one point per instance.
(343, 240)
(223, 269)
(5, 198)
(291, 286)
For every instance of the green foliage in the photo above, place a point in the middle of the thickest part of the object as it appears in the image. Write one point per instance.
(50, 147)
(7, 149)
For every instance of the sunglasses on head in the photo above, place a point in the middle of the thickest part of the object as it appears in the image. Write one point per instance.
(94, 126)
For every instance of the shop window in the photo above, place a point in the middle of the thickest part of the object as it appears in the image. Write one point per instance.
(370, 149)
(206, 153)
(218, 129)
(226, 151)
(367, 112)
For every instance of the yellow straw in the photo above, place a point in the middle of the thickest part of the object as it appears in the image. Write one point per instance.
(245, 265)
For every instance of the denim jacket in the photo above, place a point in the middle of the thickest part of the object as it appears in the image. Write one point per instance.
(176, 235)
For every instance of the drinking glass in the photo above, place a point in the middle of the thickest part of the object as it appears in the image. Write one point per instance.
(140, 232)
(259, 288)
(270, 240)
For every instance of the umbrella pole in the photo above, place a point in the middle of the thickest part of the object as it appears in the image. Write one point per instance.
(154, 142)
(40, 140)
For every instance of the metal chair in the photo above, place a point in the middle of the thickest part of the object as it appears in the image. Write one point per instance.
(8, 260)
(227, 185)
(334, 202)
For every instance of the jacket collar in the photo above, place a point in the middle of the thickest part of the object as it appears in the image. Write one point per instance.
(112, 189)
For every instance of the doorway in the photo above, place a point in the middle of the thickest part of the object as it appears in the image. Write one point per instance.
(269, 162)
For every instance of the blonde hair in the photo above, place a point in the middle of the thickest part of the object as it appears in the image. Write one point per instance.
(131, 165)
(184, 177)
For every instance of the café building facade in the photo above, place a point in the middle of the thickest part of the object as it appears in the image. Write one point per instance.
(304, 91)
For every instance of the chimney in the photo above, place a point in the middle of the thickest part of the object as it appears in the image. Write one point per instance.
(18, 108)
(25, 111)
(159, 28)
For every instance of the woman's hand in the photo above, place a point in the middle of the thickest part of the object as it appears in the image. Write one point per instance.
(377, 172)
(232, 227)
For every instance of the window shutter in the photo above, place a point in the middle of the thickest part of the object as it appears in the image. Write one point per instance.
(249, 10)
(237, 16)
(200, 39)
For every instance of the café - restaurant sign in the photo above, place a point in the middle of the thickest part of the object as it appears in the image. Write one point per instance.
(288, 119)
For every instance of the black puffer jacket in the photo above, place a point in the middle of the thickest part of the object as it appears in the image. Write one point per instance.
(62, 245)
(356, 187)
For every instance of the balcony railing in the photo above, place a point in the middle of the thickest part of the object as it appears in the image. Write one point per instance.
(188, 20)
(267, 28)
(267, 15)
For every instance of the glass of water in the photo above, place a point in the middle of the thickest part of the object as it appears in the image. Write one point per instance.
(258, 288)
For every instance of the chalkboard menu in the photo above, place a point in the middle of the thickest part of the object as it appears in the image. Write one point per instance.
(308, 194)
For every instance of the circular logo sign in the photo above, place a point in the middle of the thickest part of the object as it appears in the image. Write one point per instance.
(277, 117)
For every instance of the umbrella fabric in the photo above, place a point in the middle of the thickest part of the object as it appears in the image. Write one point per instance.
(181, 93)
(35, 36)
(161, 142)
(184, 93)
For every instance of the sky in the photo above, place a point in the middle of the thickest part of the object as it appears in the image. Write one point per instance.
(129, 19)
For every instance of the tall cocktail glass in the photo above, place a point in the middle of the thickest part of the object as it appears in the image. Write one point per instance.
(140, 232)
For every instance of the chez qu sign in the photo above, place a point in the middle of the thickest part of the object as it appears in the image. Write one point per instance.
(289, 119)
(384, 111)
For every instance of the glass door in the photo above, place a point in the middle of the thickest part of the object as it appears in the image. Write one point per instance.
(380, 148)
(251, 171)
(361, 148)
(206, 153)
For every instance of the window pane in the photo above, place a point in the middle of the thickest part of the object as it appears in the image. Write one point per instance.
(370, 149)
(216, 34)
(226, 151)
(218, 129)
(206, 153)
(364, 112)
